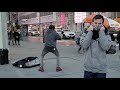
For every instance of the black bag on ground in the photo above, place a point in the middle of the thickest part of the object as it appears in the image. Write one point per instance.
(27, 62)
(4, 56)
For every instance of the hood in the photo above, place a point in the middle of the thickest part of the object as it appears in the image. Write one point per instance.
(50, 30)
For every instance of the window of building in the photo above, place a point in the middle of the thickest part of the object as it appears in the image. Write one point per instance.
(45, 13)
(66, 14)
(33, 15)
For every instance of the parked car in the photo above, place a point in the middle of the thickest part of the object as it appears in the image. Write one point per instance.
(34, 32)
(59, 32)
(68, 34)
(113, 33)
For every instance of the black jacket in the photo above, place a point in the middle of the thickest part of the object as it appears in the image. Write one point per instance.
(51, 37)
(16, 35)
(118, 37)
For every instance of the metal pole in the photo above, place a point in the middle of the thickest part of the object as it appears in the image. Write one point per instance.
(39, 25)
(11, 16)
(3, 31)
(116, 14)
(112, 15)
(11, 20)
(39, 21)
(57, 19)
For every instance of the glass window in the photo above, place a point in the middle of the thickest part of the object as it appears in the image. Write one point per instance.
(45, 13)
(33, 15)
(66, 14)
(34, 30)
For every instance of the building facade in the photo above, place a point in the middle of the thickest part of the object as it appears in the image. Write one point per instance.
(40, 20)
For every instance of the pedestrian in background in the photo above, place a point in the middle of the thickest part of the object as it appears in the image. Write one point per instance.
(84, 31)
(118, 38)
(17, 37)
(10, 36)
(96, 41)
(51, 36)
(21, 34)
(44, 31)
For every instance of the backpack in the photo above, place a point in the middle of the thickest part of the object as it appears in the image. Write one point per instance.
(4, 56)
(27, 62)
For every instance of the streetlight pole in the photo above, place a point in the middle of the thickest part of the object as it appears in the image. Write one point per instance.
(39, 25)
(116, 14)
(3, 31)
(12, 21)
(56, 22)
(70, 20)
(112, 15)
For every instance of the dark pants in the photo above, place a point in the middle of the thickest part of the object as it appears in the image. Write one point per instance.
(17, 40)
(47, 50)
(10, 41)
(119, 45)
(79, 48)
(94, 75)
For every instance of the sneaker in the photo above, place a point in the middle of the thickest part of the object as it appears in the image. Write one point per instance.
(58, 69)
(115, 54)
(41, 69)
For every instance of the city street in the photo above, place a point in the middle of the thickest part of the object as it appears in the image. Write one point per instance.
(71, 61)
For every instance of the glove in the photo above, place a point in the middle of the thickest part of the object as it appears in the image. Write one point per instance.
(90, 28)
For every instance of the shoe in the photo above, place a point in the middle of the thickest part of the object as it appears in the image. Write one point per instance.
(41, 69)
(115, 54)
(58, 69)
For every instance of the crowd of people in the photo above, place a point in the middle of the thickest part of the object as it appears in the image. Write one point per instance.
(14, 36)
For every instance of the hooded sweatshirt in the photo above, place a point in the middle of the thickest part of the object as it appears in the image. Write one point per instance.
(95, 55)
(51, 36)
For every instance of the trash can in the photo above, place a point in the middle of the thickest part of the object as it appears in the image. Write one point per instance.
(4, 56)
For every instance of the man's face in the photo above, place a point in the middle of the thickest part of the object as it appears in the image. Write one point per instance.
(98, 22)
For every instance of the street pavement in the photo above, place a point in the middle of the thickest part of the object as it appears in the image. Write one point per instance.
(71, 61)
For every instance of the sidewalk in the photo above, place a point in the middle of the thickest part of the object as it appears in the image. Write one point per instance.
(34, 49)
(71, 62)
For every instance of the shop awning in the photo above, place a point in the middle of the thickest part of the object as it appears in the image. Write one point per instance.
(117, 19)
(108, 22)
